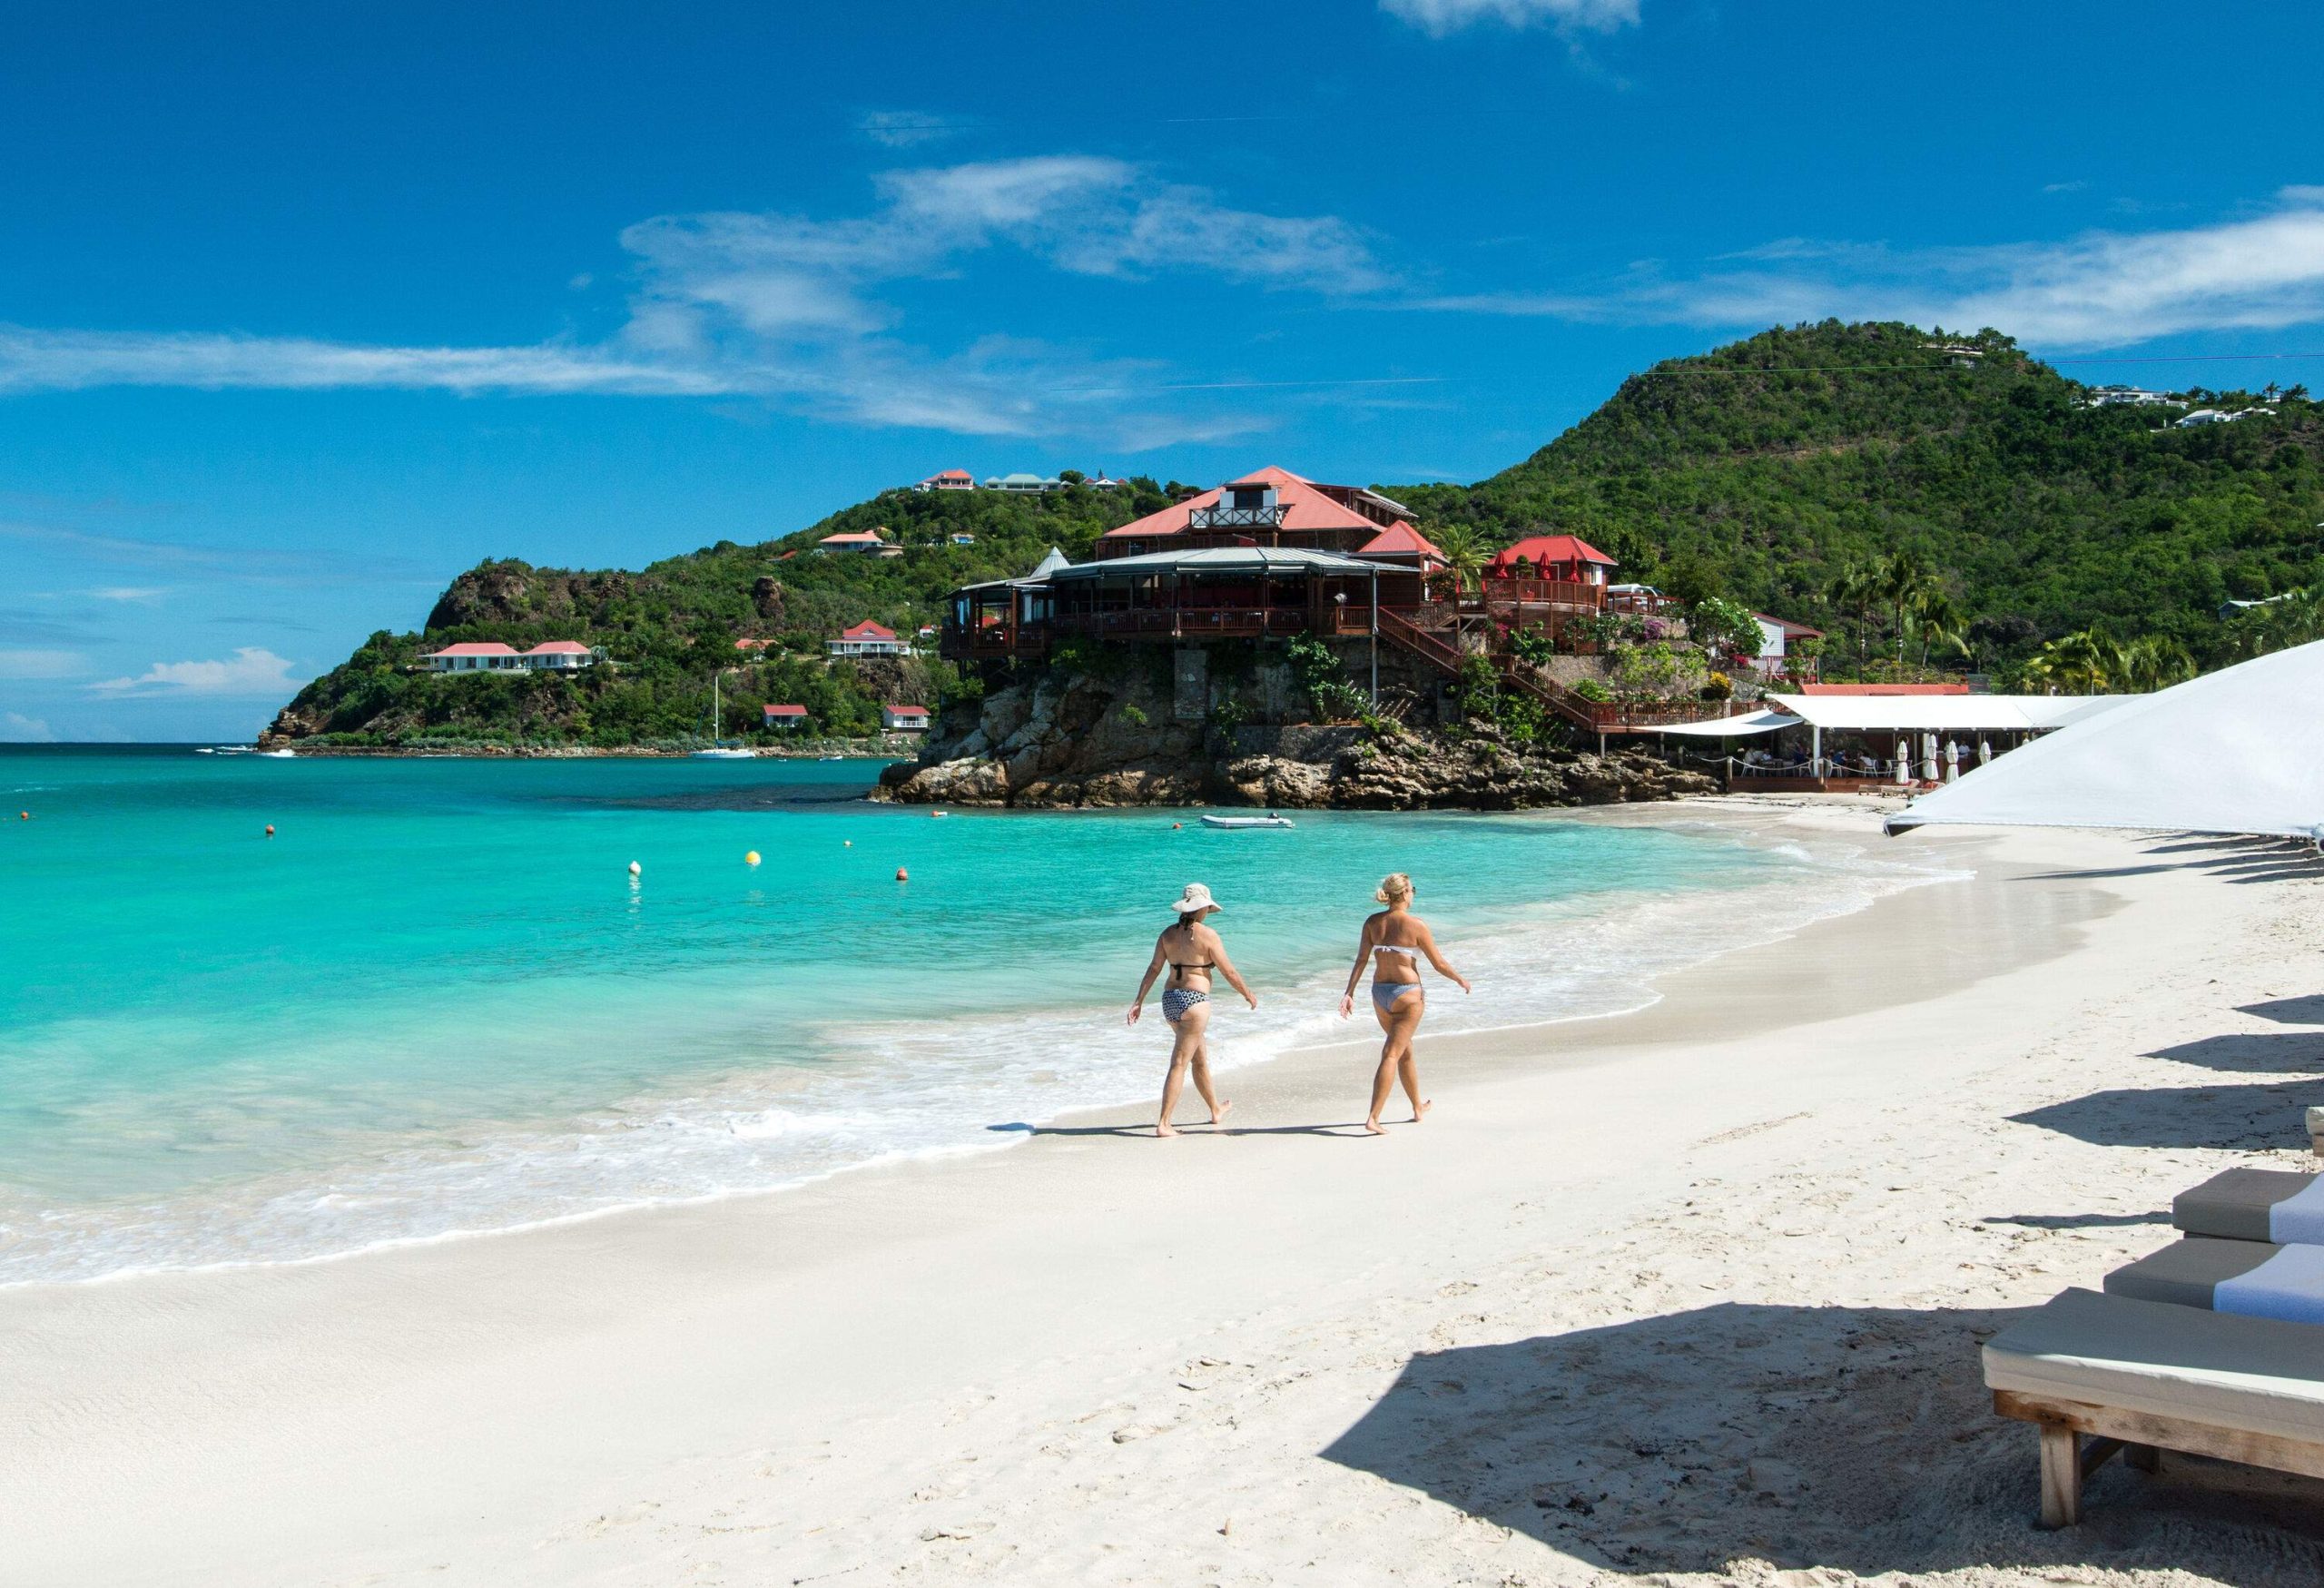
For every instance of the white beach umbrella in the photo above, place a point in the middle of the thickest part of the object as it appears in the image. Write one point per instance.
(1952, 762)
(1904, 762)
(2235, 751)
(1928, 757)
(1984, 750)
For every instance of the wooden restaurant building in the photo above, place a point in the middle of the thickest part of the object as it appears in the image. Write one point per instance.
(1273, 555)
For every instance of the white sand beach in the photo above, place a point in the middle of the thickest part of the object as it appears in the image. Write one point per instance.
(1692, 1294)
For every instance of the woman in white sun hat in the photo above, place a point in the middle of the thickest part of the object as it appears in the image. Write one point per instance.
(1191, 951)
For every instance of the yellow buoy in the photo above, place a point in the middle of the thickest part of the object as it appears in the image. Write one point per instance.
(752, 858)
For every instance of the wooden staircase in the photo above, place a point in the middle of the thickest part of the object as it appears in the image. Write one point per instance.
(1507, 671)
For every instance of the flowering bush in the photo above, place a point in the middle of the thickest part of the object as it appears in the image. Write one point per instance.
(1718, 686)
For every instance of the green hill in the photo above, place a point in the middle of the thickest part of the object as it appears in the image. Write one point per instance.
(1764, 470)
(669, 626)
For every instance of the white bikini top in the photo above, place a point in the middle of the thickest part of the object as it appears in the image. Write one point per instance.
(1397, 948)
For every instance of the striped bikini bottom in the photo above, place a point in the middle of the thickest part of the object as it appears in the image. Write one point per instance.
(1176, 1001)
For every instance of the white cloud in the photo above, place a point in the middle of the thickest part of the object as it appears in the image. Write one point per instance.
(16, 728)
(2104, 289)
(140, 594)
(252, 670)
(31, 664)
(792, 309)
(1439, 17)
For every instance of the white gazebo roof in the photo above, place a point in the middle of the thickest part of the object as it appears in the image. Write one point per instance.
(1943, 714)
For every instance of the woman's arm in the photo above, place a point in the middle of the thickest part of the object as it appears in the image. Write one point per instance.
(1226, 967)
(1355, 972)
(1428, 947)
(1145, 983)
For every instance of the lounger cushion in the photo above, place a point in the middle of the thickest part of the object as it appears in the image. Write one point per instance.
(2254, 1204)
(2253, 1278)
(2255, 1374)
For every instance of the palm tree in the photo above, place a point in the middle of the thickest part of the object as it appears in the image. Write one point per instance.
(1903, 580)
(1940, 623)
(1464, 554)
(2154, 662)
(1851, 591)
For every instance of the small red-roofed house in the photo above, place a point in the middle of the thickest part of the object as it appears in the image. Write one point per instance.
(560, 655)
(948, 479)
(1271, 507)
(475, 656)
(752, 645)
(869, 640)
(864, 542)
(785, 717)
(905, 719)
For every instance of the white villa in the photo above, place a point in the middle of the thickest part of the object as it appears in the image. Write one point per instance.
(869, 640)
(905, 719)
(1024, 484)
(2132, 397)
(556, 655)
(948, 479)
(865, 543)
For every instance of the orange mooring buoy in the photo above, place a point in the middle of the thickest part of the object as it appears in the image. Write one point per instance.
(269, 829)
(902, 875)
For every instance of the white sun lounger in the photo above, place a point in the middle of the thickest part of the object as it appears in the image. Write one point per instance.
(2137, 1377)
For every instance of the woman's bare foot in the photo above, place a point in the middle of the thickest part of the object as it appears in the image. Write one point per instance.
(1218, 1115)
(1164, 1130)
(1420, 1108)
(1372, 1127)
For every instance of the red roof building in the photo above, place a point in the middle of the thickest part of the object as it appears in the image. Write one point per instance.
(910, 718)
(1272, 507)
(1553, 557)
(1404, 546)
(869, 640)
(948, 479)
(785, 716)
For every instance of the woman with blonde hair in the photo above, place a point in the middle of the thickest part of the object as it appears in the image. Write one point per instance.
(1192, 951)
(1395, 941)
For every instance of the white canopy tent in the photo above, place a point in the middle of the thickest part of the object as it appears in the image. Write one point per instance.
(2235, 751)
(1945, 713)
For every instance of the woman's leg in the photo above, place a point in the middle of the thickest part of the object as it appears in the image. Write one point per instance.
(1202, 1070)
(1408, 1012)
(1186, 1043)
(1398, 1023)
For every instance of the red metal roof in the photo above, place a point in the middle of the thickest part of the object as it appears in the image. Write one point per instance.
(752, 645)
(1538, 549)
(559, 648)
(476, 649)
(786, 711)
(859, 538)
(867, 629)
(905, 710)
(1304, 507)
(1400, 540)
(1881, 689)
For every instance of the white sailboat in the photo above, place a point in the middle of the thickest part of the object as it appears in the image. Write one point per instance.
(718, 752)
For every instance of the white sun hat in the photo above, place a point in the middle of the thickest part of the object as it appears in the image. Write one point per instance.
(1196, 897)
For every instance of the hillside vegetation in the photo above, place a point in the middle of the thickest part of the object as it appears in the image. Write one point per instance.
(1771, 468)
(1952, 512)
(671, 625)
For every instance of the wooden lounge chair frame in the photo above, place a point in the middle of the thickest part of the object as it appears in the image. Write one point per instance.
(2140, 1438)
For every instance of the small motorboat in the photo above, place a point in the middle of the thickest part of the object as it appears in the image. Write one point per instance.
(1239, 821)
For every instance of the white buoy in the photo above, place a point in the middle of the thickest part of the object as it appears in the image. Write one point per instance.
(634, 868)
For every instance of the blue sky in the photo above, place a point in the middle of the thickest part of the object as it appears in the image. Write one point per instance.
(309, 306)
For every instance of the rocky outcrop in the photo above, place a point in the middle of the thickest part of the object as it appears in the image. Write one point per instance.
(517, 592)
(1065, 739)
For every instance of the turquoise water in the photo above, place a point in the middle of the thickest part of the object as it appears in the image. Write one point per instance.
(437, 1002)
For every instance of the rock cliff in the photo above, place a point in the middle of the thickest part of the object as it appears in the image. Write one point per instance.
(1065, 738)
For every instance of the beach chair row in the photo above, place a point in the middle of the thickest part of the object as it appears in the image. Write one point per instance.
(2214, 1345)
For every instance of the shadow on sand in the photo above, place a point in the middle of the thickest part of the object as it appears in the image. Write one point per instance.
(2246, 1118)
(1854, 1437)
